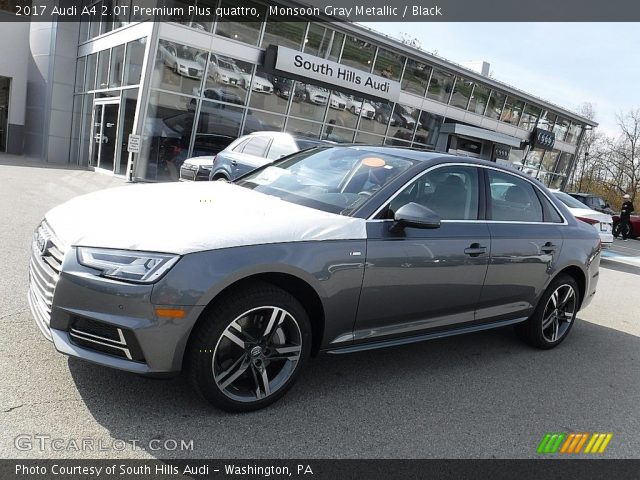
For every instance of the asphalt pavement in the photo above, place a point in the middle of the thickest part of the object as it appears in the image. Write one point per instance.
(484, 395)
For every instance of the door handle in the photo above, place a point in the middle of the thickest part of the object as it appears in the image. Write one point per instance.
(548, 248)
(475, 249)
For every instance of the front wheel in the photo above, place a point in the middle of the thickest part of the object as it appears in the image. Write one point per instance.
(250, 348)
(554, 316)
(622, 230)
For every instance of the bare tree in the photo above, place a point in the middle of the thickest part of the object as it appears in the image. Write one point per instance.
(623, 154)
(410, 40)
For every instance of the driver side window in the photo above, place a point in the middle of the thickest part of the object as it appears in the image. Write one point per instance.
(451, 192)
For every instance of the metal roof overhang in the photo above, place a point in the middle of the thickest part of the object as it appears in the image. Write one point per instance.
(481, 133)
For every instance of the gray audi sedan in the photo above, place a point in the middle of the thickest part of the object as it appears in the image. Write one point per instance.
(333, 249)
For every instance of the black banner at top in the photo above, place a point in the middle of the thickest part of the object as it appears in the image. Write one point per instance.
(325, 10)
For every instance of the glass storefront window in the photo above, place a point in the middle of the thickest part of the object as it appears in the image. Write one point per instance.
(128, 104)
(314, 105)
(106, 19)
(461, 93)
(166, 136)
(564, 163)
(530, 116)
(547, 121)
(84, 30)
(440, 86)
(123, 13)
(554, 181)
(339, 114)
(428, 129)
(263, 93)
(336, 46)
(388, 64)
(133, 61)
(549, 160)
(90, 73)
(227, 79)
(117, 66)
(337, 134)
(179, 68)
(382, 115)
(303, 127)
(219, 124)
(561, 128)
(86, 133)
(269, 121)
(193, 19)
(243, 29)
(80, 65)
(317, 41)
(102, 75)
(368, 139)
(574, 133)
(287, 34)
(94, 26)
(405, 123)
(512, 111)
(496, 102)
(358, 53)
(416, 77)
(479, 99)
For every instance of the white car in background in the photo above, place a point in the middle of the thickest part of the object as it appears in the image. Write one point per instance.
(179, 63)
(337, 101)
(260, 84)
(316, 95)
(602, 222)
(221, 69)
(363, 108)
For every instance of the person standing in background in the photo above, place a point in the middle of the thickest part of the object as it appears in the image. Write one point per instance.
(625, 217)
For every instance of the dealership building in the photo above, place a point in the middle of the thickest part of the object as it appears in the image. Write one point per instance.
(136, 97)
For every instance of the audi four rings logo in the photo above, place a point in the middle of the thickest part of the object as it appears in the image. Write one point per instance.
(544, 138)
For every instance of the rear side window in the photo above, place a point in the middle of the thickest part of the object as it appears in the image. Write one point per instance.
(257, 146)
(280, 149)
(513, 199)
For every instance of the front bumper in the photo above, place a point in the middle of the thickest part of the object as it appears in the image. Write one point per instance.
(142, 342)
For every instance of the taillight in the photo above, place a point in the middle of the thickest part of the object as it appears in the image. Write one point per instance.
(590, 221)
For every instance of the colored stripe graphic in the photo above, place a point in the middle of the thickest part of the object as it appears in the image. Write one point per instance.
(552, 443)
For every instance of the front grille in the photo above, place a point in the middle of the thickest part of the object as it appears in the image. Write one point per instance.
(193, 72)
(44, 272)
(105, 338)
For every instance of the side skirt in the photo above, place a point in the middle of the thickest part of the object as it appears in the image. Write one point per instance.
(421, 338)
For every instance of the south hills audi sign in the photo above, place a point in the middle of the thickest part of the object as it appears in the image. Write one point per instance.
(303, 66)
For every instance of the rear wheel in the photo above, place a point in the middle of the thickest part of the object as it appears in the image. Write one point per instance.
(250, 348)
(554, 316)
(622, 230)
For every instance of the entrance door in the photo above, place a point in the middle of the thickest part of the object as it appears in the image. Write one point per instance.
(105, 132)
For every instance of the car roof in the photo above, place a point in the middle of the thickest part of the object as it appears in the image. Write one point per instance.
(583, 194)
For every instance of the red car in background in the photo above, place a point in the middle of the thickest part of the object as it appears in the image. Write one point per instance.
(635, 226)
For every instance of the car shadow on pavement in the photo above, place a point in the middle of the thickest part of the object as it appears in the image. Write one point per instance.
(479, 395)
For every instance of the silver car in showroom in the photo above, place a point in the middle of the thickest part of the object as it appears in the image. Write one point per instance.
(332, 249)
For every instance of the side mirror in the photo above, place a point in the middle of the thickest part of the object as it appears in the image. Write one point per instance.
(416, 216)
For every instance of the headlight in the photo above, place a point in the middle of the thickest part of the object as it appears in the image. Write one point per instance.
(128, 265)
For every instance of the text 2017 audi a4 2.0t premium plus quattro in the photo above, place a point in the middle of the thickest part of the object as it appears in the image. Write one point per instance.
(335, 249)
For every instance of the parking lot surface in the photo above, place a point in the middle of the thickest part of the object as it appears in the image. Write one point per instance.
(483, 395)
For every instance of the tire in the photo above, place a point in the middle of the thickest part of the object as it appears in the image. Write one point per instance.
(617, 231)
(247, 352)
(540, 329)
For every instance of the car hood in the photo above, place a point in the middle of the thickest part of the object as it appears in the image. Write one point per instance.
(182, 218)
(188, 63)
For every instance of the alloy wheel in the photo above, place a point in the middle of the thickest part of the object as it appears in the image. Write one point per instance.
(257, 353)
(559, 313)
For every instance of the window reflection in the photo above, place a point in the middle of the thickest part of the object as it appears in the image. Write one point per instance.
(428, 129)
(416, 77)
(117, 66)
(461, 93)
(303, 127)
(358, 53)
(512, 111)
(479, 99)
(323, 42)
(574, 133)
(383, 115)
(338, 113)
(230, 77)
(547, 121)
(167, 133)
(388, 64)
(285, 33)
(405, 123)
(244, 29)
(178, 68)
(530, 116)
(368, 139)
(133, 61)
(102, 75)
(314, 105)
(440, 86)
(496, 102)
(337, 134)
(561, 128)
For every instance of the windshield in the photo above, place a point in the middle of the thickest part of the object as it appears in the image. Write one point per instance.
(569, 201)
(336, 180)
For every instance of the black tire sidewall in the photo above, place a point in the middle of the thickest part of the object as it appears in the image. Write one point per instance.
(214, 323)
(531, 330)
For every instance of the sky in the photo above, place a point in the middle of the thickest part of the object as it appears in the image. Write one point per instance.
(564, 63)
